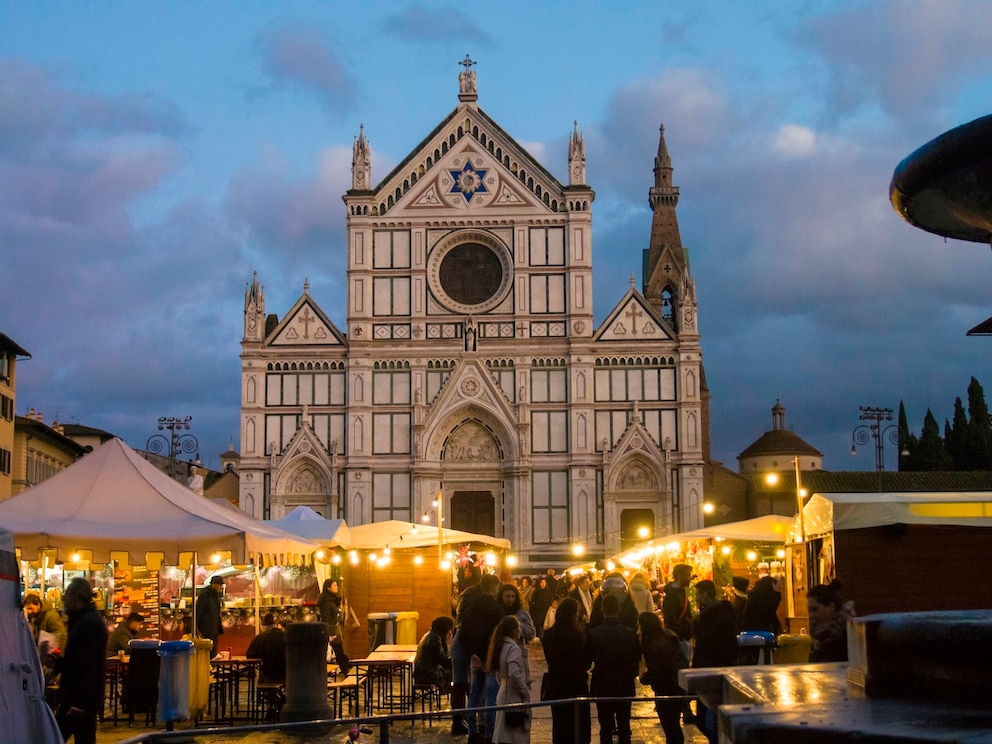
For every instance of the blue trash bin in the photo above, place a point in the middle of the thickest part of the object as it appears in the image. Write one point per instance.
(759, 642)
(173, 681)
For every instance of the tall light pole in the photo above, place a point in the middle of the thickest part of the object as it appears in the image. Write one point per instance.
(875, 430)
(176, 443)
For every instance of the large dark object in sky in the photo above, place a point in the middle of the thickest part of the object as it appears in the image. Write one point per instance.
(945, 187)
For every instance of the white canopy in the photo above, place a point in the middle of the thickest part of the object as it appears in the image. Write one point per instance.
(771, 528)
(396, 534)
(825, 512)
(307, 523)
(114, 500)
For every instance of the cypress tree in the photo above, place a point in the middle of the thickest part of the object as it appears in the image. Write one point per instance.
(907, 442)
(979, 440)
(932, 453)
(956, 438)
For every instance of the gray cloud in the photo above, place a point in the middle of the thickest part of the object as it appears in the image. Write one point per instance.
(294, 54)
(909, 58)
(417, 23)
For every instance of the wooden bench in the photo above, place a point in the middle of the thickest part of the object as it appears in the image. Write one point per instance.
(340, 690)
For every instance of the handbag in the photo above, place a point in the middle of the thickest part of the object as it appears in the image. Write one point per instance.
(516, 718)
(546, 686)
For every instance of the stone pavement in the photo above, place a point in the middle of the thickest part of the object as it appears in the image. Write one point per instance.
(644, 724)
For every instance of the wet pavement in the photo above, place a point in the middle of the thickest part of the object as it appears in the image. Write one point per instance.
(644, 725)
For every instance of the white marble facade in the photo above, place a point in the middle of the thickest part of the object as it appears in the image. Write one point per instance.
(471, 362)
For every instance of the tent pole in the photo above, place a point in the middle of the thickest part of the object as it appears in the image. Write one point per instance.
(258, 599)
(192, 573)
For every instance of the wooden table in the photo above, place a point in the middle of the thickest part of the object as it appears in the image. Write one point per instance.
(381, 672)
(116, 673)
(228, 676)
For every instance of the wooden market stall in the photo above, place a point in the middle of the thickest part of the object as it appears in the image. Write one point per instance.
(394, 567)
(898, 552)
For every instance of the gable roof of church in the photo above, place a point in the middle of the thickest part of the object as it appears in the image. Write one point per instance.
(495, 133)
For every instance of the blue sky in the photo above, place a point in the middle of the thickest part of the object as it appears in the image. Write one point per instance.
(154, 155)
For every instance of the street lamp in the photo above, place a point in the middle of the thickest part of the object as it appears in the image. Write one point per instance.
(875, 430)
(176, 443)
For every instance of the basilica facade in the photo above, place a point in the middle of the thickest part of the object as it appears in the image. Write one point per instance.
(471, 365)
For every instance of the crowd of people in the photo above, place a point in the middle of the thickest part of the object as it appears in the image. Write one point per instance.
(598, 639)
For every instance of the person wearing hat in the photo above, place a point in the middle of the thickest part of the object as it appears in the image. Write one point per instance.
(208, 623)
(126, 630)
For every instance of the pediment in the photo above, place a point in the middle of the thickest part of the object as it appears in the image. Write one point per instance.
(468, 163)
(304, 465)
(304, 325)
(470, 390)
(636, 462)
(633, 319)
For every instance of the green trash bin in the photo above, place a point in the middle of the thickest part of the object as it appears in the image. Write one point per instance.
(793, 649)
(406, 628)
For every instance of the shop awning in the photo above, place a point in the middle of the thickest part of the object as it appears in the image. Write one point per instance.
(396, 534)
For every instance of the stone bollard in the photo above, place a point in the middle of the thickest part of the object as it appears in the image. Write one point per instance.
(306, 673)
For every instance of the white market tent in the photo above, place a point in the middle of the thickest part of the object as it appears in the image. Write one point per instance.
(305, 522)
(23, 709)
(397, 534)
(113, 500)
(771, 528)
(826, 512)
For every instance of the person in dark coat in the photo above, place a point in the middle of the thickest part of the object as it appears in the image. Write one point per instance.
(716, 644)
(761, 612)
(677, 614)
(675, 605)
(616, 584)
(329, 607)
(478, 619)
(469, 586)
(615, 653)
(568, 668)
(432, 665)
(82, 665)
(208, 624)
(828, 616)
(663, 657)
(741, 586)
(270, 647)
(540, 601)
(125, 631)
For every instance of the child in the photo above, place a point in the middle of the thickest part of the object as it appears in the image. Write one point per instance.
(549, 619)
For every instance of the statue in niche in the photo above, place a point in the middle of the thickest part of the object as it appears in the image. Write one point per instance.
(471, 341)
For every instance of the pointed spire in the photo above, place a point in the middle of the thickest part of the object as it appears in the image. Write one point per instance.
(361, 161)
(663, 192)
(254, 296)
(576, 157)
(667, 283)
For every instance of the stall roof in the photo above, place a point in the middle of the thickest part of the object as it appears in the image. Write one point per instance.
(114, 500)
(825, 512)
(771, 528)
(397, 534)
(305, 522)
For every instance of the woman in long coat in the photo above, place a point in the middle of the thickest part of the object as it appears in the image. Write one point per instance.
(506, 659)
(568, 674)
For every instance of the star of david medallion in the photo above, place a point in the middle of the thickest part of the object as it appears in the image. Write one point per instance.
(469, 181)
